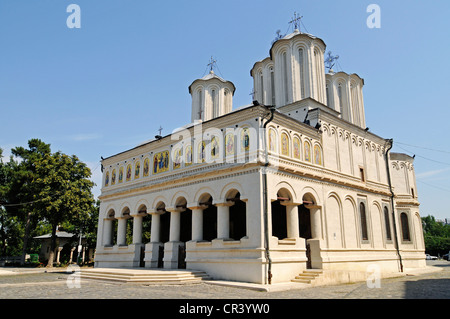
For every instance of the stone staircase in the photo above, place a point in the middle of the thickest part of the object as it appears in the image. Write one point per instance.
(144, 276)
(308, 276)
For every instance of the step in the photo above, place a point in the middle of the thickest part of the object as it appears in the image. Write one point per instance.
(287, 241)
(308, 276)
(144, 276)
(304, 281)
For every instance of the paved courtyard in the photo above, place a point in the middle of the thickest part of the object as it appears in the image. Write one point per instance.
(58, 285)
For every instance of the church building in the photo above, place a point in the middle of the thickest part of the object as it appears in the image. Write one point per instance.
(260, 193)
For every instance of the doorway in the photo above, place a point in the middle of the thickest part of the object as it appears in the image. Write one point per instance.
(304, 221)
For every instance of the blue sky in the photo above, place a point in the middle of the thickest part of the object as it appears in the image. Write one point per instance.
(109, 85)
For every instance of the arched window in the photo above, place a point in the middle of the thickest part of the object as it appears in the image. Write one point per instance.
(214, 147)
(177, 158)
(229, 144)
(201, 155)
(107, 179)
(261, 86)
(137, 170)
(362, 212)
(214, 103)
(272, 85)
(272, 140)
(307, 151)
(284, 144)
(121, 174)
(387, 223)
(245, 139)
(296, 147)
(405, 227)
(188, 155)
(355, 104)
(328, 95)
(285, 78)
(227, 97)
(128, 173)
(302, 72)
(317, 155)
(341, 104)
(200, 105)
(318, 75)
(113, 177)
(146, 167)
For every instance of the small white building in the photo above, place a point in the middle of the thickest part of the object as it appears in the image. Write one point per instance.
(260, 193)
(66, 244)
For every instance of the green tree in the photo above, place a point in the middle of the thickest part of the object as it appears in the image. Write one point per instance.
(22, 189)
(64, 192)
(436, 236)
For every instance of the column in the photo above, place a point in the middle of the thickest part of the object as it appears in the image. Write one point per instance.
(155, 231)
(175, 217)
(107, 232)
(292, 220)
(223, 220)
(171, 248)
(152, 248)
(137, 228)
(58, 254)
(71, 254)
(122, 231)
(316, 227)
(197, 223)
(84, 254)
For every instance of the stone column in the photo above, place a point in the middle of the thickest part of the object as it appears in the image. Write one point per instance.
(175, 219)
(171, 248)
(316, 225)
(137, 228)
(292, 220)
(71, 254)
(107, 232)
(84, 254)
(197, 223)
(152, 248)
(223, 220)
(122, 231)
(58, 254)
(156, 225)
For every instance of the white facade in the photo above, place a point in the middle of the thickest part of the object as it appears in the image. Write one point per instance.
(332, 196)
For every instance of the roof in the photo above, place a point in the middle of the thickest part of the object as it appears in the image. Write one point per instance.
(59, 234)
(286, 38)
(210, 76)
(294, 34)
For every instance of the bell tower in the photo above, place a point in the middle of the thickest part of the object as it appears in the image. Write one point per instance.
(294, 70)
(211, 95)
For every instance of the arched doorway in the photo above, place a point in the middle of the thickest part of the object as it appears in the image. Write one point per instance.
(142, 230)
(164, 228)
(279, 222)
(209, 217)
(304, 219)
(185, 230)
(238, 215)
(306, 223)
(279, 218)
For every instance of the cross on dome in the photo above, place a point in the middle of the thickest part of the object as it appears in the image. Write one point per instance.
(330, 60)
(212, 64)
(296, 21)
